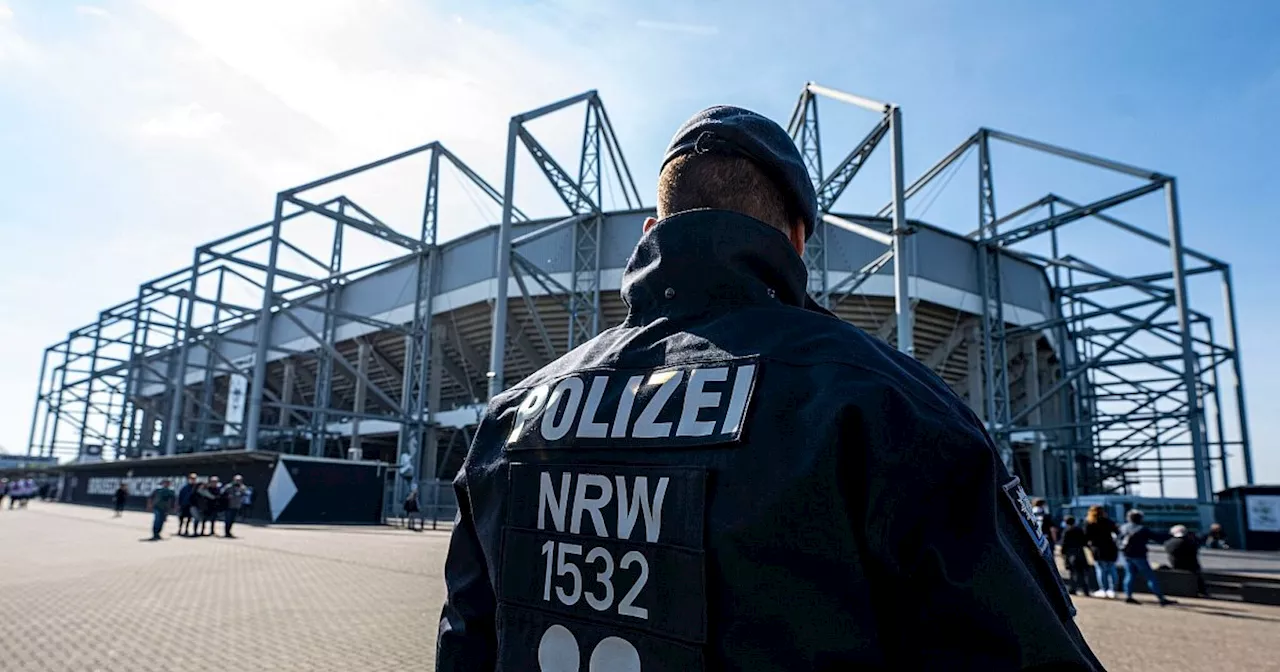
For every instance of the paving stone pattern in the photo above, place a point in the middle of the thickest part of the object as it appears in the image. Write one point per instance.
(83, 591)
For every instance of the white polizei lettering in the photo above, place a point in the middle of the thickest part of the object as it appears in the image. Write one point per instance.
(738, 399)
(568, 391)
(528, 408)
(640, 504)
(622, 416)
(592, 505)
(647, 426)
(695, 399)
(588, 428)
(547, 501)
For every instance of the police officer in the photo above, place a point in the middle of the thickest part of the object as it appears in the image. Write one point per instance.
(735, 479)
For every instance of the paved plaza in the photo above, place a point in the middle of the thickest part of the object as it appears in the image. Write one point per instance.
(83, 591)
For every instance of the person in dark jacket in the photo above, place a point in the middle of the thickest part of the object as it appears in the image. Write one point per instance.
(1183, 550)
(121, 496)
(1216, 537)
(413, 510)
(1073, 555)
(1099, 533)
(230, 500)
(207, 506)
(185, 505)
(735, 479)
(1133, 540)
(1049, 526)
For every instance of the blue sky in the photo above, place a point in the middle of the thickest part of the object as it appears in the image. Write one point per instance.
(133, 130)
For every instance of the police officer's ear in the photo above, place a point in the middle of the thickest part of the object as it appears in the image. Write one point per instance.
(648, 224)
(796, 234)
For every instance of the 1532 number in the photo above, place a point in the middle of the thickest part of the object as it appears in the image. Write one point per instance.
(561, 561)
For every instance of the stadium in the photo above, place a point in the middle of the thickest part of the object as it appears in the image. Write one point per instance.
(1090, 380)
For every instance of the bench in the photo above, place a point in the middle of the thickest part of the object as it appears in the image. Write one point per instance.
(1173, 582)
(1260, 593)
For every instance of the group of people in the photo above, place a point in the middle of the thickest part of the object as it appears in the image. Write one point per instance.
(1109, 544)
(21, 490)
(198, 505)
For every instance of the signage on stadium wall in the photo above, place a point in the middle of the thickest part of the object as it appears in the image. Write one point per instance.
(1262, 513)
(139, 486)
(291, 489)
(97, 485)
(237, 392)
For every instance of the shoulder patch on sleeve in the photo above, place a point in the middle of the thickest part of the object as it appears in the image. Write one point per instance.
(1022, 502)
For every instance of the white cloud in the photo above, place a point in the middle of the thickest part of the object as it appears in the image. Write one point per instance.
(14, 48)
(689, 28)
(187, 121)
(224, 104)
(92, 10)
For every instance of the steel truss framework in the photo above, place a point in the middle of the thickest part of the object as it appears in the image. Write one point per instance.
(1121, 391)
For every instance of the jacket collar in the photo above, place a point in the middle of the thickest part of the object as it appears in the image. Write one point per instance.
(704, 261)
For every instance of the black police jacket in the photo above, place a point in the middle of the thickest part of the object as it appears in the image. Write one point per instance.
(734, 479)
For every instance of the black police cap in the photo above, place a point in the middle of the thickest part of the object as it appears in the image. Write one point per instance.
(734, 130)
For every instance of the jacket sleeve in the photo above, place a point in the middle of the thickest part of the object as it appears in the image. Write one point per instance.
(961, 578)
(467, 637)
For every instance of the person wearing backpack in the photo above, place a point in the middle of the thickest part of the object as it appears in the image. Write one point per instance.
(1133, 540)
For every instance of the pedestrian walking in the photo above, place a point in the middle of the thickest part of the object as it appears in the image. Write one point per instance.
(1133, 540)
(736, 479)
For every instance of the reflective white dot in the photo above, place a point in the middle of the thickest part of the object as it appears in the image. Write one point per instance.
(558, 650)
(614, 654)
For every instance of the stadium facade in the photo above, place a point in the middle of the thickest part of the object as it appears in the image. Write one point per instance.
(1089, 380)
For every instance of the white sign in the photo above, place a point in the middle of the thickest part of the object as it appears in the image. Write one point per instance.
(239, 389)
(139, 486)
(1262, 512)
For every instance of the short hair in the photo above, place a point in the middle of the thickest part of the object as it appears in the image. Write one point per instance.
(724, 182)
(1039, 502)
(1135, 516)
(1069, 520)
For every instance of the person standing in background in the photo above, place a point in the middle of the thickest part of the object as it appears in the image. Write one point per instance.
(207, 505)
(233, 499)
(1073, 543)
(1216, 538)
(1184, 554)
(245, 501)
(161, 503)
(121, 496)
(185, 513)
(1048, 526)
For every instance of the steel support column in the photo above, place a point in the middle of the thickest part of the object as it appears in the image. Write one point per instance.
(1198, 451)
(502, 268)
(901, 257)
(259, 383)
(1229, 305)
